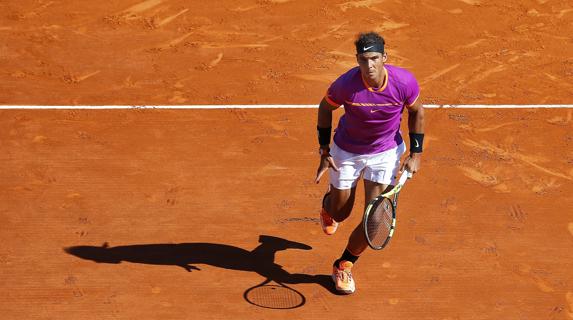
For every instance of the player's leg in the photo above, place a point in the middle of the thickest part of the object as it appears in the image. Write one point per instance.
(338, 201)
(336, 207)
(342, 274)
(357, 242)
(379, 172)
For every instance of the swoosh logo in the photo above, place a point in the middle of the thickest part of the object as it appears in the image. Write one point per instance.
(375, 110)
(368, 48)
(417, 144)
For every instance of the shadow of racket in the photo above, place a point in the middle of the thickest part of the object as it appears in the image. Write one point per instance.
(274, 295)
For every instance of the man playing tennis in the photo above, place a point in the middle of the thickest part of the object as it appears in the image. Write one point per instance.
(367, 142)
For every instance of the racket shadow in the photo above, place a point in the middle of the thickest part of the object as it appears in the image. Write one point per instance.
(190, 256)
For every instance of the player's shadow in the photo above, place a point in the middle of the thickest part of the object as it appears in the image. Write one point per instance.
(189, 255)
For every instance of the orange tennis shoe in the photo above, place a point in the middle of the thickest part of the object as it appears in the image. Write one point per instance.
(342, 277)
(328, 224)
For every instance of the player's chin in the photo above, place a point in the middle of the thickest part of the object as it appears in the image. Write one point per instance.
(371, 75)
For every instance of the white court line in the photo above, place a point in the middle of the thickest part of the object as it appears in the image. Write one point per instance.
(286, 106)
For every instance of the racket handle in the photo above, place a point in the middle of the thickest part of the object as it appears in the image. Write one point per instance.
(405, 175)
(408, 174)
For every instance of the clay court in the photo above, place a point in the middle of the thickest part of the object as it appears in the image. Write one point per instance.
(142, 213)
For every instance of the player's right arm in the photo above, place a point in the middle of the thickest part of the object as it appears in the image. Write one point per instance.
(324, 128)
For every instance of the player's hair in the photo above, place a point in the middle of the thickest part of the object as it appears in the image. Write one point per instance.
(366, 39)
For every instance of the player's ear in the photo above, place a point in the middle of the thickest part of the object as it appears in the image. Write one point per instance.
(384, 57)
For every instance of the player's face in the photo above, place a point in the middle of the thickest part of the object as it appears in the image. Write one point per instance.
(371, 64)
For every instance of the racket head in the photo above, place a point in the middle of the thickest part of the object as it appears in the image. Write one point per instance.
(379, 222)
(274, 296)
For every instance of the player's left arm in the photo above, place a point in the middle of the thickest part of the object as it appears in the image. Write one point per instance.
(416, 134)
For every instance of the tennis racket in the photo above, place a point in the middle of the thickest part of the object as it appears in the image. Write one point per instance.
(274, 295)
(379, 221)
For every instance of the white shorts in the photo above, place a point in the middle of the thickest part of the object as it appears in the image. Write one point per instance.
(379, 167)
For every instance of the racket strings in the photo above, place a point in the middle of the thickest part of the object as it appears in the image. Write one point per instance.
(379, 223)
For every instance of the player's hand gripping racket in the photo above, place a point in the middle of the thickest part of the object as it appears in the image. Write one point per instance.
(379, 220)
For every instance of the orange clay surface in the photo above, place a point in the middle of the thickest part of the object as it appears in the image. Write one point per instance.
(156, 214)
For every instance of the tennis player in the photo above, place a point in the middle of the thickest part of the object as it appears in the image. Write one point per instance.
(367, 142)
